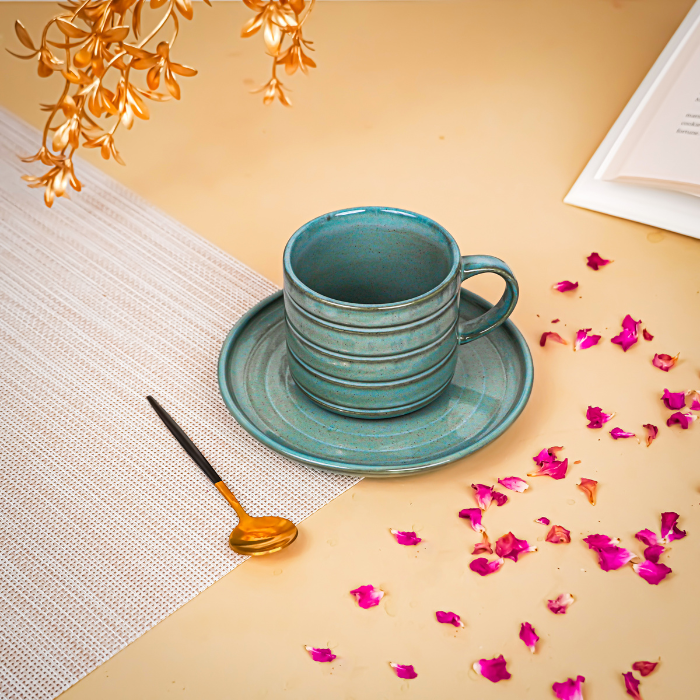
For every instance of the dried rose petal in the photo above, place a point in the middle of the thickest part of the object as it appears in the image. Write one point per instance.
(405, 538)
(483, 547)
(629, 335)
(596, 417)
(547, 455)
(653, 552)
(570, 689)
(500, 498)
(473, 515)
(648, 537)
(557, 470)
(632, 685)
(590, 488)
(652, 572)
(565, 286)
(618, 433)
(682, 419)
(402, 671)
(510, 547)
(558, 535)
(673, 400)
(484, 567)
(595, 261)
(483, 495)
(367, 596)
(652, 432)
(669, 529)
(551, 335)
(647, 335)
(644, 667)
(449, 618)
(321, 655)
(543, 521)
(493, 670)
(529, 636)
(665, 362)
(610, 556)
(554, 320)
(560, 604)
(514, 483)
(584, 341)
(693, 399)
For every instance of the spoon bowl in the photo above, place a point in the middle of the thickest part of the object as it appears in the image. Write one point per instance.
(256, 536)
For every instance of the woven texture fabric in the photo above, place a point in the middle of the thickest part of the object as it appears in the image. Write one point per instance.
(106, 526)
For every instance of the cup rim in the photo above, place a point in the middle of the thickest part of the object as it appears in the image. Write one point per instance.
(289, 270)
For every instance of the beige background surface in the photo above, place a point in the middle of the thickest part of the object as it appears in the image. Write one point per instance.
(480, 114)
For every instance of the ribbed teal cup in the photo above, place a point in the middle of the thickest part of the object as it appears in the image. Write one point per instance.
(371, 298)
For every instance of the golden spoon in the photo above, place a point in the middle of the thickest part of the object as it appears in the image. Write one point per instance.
(253, 536)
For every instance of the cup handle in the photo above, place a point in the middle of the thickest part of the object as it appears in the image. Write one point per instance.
(473, 265)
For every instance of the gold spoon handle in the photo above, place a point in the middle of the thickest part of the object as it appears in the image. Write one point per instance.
(232, 500)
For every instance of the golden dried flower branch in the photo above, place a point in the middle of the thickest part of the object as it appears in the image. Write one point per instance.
(281, 20)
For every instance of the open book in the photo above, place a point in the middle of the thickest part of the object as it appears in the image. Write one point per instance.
(648, 167)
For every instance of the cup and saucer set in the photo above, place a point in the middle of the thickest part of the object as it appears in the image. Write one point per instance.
(374, 361)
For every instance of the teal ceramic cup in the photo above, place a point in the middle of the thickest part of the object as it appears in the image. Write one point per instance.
(371, 299)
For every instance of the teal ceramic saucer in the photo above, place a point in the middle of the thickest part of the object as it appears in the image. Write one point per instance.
(490, 388)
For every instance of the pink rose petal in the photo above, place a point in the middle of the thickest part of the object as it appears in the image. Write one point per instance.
(610, 556)
(557, 470)
(570, 689)
(483, 495)
(405, 538)
(669, 528)
(558, 535)
(644, 668)
(565, 286)
(595, 541)
(584, 341)
(510, 547)
(648, 537)
(367, 596)
(595, 261)
(560, 604)
(484, 567)
(321, 655)
(529, 636)
(500, 498)
(618, 433)
(404, 671)
(682, 419)
(590, 488)
(597, 417)
(647, 335)
(653, 552)
(543, 521)
(473, 515)
(693, 399)
(554, 320)
(551, 335)
(449, 618)
(632, 685)
(493, 670)
(673, 400)
(665, 362)
(629, 335)
(547, 455)
(652, 572)
(514, 483)
(483, 547)
(652, 432)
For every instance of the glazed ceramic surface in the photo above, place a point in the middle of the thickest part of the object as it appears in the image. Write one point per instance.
(372, 307)
(490, 387)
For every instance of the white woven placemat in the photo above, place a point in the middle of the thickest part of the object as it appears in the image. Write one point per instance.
(106, 526)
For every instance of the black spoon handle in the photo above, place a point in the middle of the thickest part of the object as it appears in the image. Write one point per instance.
(179, 434)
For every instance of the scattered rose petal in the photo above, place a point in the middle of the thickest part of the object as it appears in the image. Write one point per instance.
(610, 556)
(665, 362)
(693, 399)
(321, 655)
(682, 419)
(590, 488)
(673, 400)
(565, 286)
(551, 335)
(555, 320)
(629, 335)
(632, 685)
(493, 670)
(584, 341)
(500, 498)
(449, 618)
(473, 515)
(644, 667)
(529, 636)
(558, 535)
(483, 547)
(652, 572)
(483, 495)
(618, 433)
(595, 261)
(595, 541)
(403, 671)
(543, 521)
(570, 689)
(510, 547)
(514, 483)
(405, 538)
(597, 417)
(555, 469)
(367, 596)
(484, 567)
(652, 432)
(560, 604)
(647, 537)
(653, 552)
(669, 528)
(647, 335)
(548, 454)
